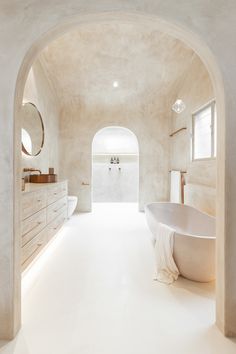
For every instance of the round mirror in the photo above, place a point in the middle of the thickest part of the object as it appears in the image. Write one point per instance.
(32, 131)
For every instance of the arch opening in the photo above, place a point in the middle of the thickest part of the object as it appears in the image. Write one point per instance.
(115, 166)
(208, 59)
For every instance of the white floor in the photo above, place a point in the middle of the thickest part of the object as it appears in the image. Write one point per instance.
(92, 293)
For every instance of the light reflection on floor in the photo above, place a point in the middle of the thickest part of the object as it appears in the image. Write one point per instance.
(92, 293)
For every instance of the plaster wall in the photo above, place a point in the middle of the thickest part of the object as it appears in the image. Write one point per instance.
(195, 89)
(145, 63)
(39, 91)
(209, 27)
(143, 115)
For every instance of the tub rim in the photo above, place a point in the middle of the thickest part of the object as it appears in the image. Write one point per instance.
(186, 206)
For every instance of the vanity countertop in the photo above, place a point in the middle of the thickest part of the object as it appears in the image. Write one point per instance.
(32, 187)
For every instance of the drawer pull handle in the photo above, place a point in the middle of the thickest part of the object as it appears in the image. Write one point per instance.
(55, 193)
(56, 210)
(39, 244)
(39, 200)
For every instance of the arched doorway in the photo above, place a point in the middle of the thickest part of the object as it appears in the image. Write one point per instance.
(115, 166)
(208, 59)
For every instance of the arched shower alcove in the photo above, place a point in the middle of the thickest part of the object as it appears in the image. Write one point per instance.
(12, 295)
(115, 166)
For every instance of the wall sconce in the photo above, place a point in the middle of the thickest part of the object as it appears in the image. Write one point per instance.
(178, 106)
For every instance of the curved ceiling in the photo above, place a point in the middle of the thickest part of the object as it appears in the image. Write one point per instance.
(114, 62)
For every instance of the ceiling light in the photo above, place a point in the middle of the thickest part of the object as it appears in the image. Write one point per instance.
(178, 106)
(115, 84)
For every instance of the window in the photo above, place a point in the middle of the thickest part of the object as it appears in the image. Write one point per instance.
(204, 132)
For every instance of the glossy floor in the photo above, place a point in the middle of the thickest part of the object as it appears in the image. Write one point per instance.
(92, 293)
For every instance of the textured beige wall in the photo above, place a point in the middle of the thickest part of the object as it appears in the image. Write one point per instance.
(144, 116)
(146, 63)
(39, 91)
(195, 89)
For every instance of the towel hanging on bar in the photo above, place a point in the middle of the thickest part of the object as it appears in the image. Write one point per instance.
(177, 187)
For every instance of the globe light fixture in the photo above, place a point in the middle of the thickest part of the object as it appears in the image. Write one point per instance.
(178, 106)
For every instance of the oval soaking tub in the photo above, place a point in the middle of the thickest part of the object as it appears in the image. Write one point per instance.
(194, 240)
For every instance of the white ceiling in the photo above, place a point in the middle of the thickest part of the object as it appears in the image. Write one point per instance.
(85, 62)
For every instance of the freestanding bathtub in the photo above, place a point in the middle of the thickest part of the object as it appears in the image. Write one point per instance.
(194, 240)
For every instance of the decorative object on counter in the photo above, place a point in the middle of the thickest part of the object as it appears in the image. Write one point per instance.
(32, 131)
(178, 106)
(51, 170)
(114, 160)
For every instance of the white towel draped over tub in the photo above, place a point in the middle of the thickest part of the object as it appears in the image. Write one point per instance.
(166, 269)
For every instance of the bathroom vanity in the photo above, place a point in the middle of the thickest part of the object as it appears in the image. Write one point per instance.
(44, 210)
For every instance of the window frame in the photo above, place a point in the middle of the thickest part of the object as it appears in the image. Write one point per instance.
(211, 104)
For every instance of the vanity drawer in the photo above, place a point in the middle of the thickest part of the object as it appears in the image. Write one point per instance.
(56, 224)
(33, 247)
(53, 210)
(56, 192)
(33, 202)
(32, 226)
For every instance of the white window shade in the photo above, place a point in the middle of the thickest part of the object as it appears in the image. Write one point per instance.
(204, 129)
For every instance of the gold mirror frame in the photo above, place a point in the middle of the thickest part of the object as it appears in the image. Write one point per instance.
(42, 125)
